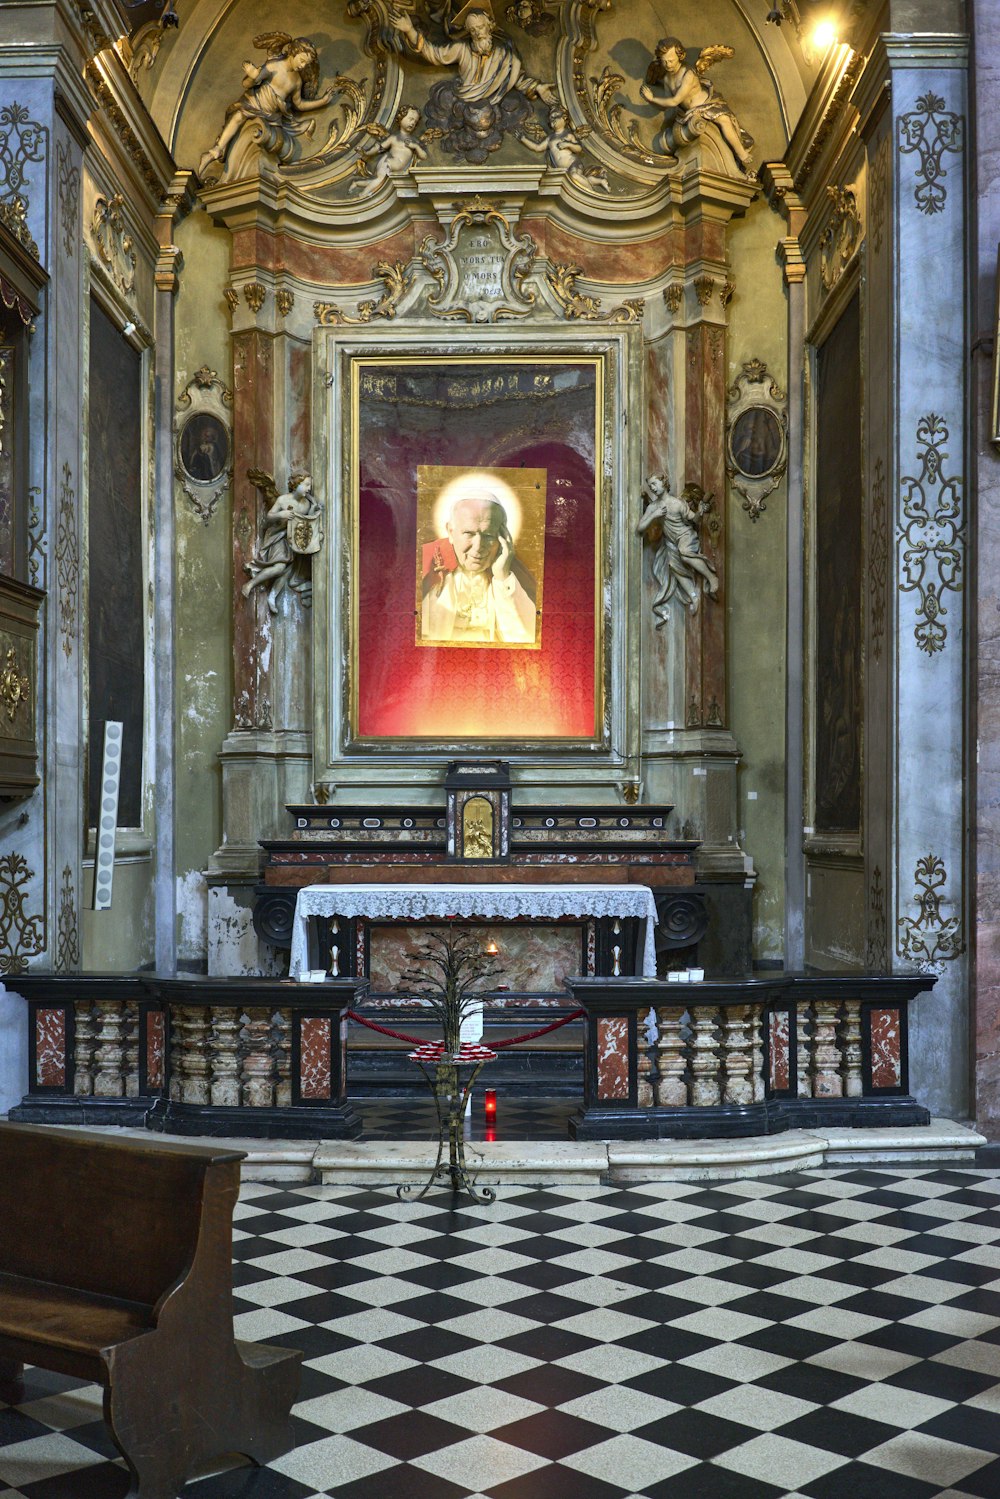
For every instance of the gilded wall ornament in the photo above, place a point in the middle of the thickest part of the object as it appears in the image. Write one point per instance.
(878, 194)
(67, 561)
(232, 297)
(756, 436)
(480, 267)
(285, 301)
(579, 306)
(203, 441)
(23, 141)
(120, 124)
(930, 939)
(15, 685)
(673, 296)
(68, 927)
(255, 294)
(841, 237)
(617, 128)
(878, 560)
(931, 534)
(877, 941)
(21, 936)
(69, 197)
(113, 242)
(396, 279)
(930, 130)
(704, 288)
(726, 291)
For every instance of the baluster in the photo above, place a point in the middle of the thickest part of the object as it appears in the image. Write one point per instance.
(705, 1090)
(757, 1053)
(825, 1052)
(671, 1089)
(736, 1055)
(225, 1052)
(108, 1080)
(283, 1056)
(849, 1034)
(258, 1060)
(83, 1052)
(195, 1063)
(803, 1034)
(130, 1036)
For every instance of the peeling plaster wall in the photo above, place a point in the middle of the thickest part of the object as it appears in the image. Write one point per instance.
(122, 939)
(234, 949)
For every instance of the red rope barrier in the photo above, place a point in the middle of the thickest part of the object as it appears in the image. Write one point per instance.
(495, 1045)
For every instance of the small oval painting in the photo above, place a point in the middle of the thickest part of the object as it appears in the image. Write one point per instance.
(204, 447)
(755, 442)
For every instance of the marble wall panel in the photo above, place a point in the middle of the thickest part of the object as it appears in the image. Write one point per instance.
(155, 1045)
(536, 959)
(50, 1048)
(778, 1049)
(886, 1063)
(315, 1079)
(612, 1057)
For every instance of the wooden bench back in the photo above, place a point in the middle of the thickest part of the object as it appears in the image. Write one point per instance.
(111, 1216)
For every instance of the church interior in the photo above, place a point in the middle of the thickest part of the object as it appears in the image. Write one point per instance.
(562, 857)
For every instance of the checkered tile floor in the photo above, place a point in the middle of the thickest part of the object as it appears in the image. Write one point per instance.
(831, 1335)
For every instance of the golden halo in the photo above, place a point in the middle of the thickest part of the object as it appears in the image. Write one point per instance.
(475, 484)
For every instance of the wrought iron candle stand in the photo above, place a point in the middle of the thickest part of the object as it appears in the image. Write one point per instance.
(451, 1098)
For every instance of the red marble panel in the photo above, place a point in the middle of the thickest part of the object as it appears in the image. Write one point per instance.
(314, 1056)
(155, 1037)
(612, 1057)
(300, 406)
(639, 261)
(779, 1049)
(50, 1048)
(886, 1065)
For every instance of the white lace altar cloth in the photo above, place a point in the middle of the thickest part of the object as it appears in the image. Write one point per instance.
(471, 903)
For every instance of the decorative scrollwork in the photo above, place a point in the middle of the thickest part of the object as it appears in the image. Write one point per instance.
(396, 278)
(756, 436)
(480, 267)
(615, 125)
(931, 534)
(877, 944)
(21, 936)
(841, 236)
(878, 193)
(203, 441)
(878, 560)
(930, 130)
(930, 939)
(579, 306)
(67, 561)
(36, 540)
(255, 293)
(22, 141)
(69, 196)
(344, 134)
(15, 685)
(68, 927)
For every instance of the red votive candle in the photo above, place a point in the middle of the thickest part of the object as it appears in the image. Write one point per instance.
(490, 1105)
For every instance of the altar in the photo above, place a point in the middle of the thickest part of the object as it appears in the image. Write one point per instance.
(612, 927)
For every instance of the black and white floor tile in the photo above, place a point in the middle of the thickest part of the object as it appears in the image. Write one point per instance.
(831, 1335)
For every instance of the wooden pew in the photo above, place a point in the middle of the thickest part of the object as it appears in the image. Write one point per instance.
(116, 1266)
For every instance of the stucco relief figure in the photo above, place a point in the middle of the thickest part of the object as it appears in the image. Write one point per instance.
(474, 590)
(670, 525)
(693, 101)
(278, 99)
(489, 94)
(531, 16)
(293, 531)
(396, 151)
(562, 148)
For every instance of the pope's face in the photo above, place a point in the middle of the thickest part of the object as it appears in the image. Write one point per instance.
(473, 532)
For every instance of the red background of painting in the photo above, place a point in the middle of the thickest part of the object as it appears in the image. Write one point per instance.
(448, 693)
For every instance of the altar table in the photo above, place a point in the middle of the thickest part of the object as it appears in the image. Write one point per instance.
(472, 903)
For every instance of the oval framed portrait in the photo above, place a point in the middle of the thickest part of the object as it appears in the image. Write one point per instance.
(203, 448)
(756, 441)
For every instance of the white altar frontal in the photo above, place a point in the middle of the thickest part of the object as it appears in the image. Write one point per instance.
(594, 906)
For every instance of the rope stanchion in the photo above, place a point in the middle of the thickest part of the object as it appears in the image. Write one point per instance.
(384, 1030)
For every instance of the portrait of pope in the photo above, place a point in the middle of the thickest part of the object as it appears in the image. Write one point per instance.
(474, 588)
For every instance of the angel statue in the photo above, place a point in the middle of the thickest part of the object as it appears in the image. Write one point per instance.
(694, 102)
(293, 530)
(396, 150)
(562, 146)
(283, 88)
(670, 524)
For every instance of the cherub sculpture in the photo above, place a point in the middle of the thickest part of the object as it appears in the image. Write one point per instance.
(275, 96)
(396, 151)
(693, 101)
(562, 146)
(670, 524)
(293, 530)
(531, 16)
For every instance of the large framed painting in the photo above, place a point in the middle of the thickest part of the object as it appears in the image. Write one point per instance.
(475, 543)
